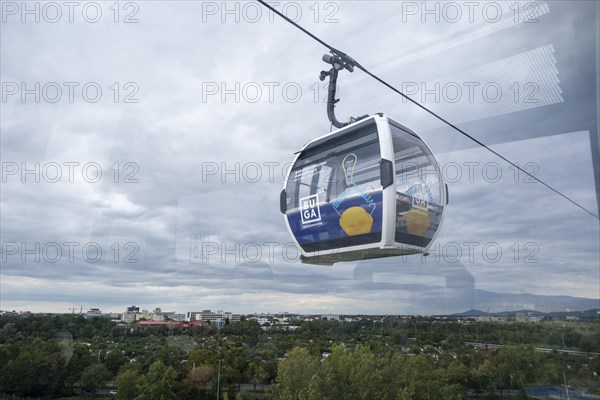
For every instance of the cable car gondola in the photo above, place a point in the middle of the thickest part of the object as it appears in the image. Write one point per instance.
(370, 189)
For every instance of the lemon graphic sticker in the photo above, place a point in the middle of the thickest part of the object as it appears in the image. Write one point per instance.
(356, 221)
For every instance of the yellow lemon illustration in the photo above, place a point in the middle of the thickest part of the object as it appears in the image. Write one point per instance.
(417, 221)
(356, 221)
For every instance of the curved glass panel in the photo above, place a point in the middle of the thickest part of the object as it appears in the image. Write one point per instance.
(334, 192)
(418, 190)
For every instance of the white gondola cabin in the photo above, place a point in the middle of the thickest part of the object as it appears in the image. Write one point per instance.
(368, 190)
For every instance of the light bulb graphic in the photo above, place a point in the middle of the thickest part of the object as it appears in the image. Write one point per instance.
(348, 164)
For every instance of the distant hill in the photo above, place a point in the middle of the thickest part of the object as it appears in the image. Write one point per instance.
(581, 314)
(471, 313)
(512, 302)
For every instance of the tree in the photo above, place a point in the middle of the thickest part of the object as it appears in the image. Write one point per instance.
(516, 366)
(37, 370)
(457, 372)
(243, 395)
(295, 373)
(204, 356)
(94, 376)
(257, 373)
(129, 383)
(80, 360)
(200, 374)
(487, 376)
(159, 383)
(114, 360)
(355, 374)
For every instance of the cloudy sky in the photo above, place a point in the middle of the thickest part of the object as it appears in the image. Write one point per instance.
(144, 146)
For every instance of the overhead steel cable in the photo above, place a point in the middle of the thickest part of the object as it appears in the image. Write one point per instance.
(372, 75)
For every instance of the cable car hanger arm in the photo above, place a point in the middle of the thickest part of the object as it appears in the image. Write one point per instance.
(338, 61)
